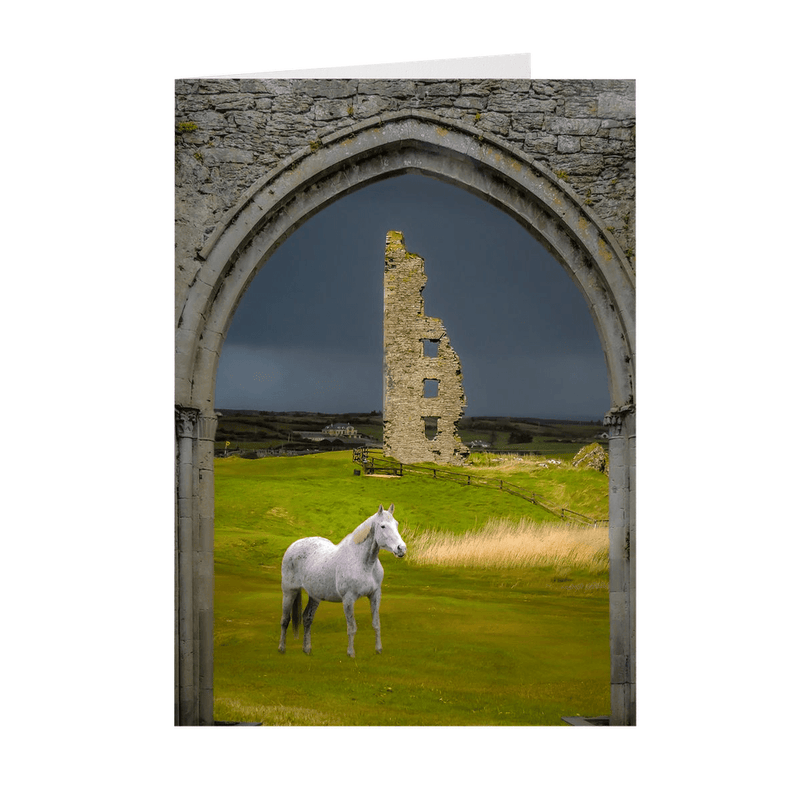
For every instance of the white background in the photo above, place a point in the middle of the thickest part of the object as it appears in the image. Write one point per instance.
(87, 141)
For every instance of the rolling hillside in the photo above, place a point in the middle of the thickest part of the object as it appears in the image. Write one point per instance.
(282, 431)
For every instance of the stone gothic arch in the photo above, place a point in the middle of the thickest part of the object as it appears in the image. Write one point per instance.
(410, 141)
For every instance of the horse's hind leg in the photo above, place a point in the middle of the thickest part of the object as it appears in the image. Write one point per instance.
(290, 599)
(308, 618)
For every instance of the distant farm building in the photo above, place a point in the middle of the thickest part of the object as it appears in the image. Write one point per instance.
(336, 433)
(341, 430)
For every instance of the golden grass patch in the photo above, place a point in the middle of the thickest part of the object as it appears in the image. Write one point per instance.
(506, 543)
(227, 709)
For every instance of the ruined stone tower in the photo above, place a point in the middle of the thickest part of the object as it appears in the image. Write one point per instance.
(423, 396)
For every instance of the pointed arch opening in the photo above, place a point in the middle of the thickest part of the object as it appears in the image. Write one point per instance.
(415, 142)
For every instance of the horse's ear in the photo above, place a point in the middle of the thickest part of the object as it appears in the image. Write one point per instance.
(380, 508)
(391, 508)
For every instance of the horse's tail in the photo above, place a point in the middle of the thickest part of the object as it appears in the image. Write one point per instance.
(297, 608)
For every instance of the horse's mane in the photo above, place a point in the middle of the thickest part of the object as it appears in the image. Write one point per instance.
(362, 531)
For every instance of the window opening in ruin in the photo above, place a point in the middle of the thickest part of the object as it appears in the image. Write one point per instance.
(430, 387)
(431, 427)
(430, 348)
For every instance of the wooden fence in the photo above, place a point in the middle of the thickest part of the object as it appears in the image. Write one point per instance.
(374, 462)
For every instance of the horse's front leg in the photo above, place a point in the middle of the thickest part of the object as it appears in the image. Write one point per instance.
(374, 604)
(348, 602)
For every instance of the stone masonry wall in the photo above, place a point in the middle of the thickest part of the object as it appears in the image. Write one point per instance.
(230, 132)
(406, 329)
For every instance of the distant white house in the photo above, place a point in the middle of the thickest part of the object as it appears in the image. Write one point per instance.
(340, 430)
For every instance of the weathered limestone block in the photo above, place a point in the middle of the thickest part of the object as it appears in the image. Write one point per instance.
(573, 127)
(569, 144)
(593, 456)
(616, 106)
(423, 395)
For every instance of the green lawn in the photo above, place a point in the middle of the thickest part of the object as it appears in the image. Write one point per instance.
(460, 647)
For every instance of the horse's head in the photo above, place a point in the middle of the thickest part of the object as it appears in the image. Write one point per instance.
(387, 536)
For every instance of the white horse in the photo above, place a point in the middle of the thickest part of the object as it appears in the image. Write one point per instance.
(338, 573)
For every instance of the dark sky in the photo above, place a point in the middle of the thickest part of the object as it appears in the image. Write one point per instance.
(308, 336)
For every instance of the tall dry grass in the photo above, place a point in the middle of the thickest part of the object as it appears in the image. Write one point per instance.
(505, 543)
(231, 709)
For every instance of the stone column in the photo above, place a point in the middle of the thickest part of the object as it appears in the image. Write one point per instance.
(622, 563)
(204, 566)
(188, 711)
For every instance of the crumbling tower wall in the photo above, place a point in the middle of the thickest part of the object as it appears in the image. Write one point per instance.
(423, 395)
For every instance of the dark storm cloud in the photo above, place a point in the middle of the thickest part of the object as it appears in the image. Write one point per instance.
(308, 333)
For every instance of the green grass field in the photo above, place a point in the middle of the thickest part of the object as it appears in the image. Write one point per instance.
(461, 646)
